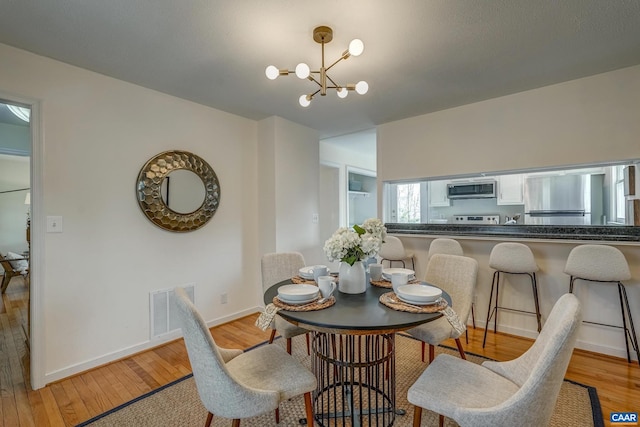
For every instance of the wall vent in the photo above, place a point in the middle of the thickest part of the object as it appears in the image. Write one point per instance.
(163, 317)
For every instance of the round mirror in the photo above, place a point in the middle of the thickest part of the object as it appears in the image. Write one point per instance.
(178, 191)
(182, 191)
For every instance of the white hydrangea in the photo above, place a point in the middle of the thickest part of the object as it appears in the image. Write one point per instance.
(347, 245)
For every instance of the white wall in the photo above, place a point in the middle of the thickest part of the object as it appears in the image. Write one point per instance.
(14, 174)
(590, 120)
(288, 188)
(94, 278)
(594, 119)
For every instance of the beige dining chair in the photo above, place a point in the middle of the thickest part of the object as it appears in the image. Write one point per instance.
(276, 267)
(443, 245)
(456, 275)
(233, 384)
(392, 250)
(520, 392)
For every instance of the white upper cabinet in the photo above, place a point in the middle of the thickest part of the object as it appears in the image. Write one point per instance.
(438, 194)
(510, 189)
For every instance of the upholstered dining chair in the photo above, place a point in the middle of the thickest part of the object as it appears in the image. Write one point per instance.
(392, 250)
(276, 267)
(456, 275)
(234, 384)
(443, 245)
(520, 392)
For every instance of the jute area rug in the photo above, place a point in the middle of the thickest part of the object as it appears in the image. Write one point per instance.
(178, 404)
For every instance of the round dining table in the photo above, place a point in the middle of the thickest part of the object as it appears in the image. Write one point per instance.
(353, 345)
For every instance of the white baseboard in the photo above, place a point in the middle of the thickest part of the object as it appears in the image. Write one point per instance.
(59, 374)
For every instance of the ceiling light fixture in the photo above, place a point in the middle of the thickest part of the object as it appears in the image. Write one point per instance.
(323, 35)
(20, 112)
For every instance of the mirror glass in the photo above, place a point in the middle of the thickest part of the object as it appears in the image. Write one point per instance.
(578, 195)
(183, 191)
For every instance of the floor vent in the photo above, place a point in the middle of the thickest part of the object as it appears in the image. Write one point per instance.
(163, 316)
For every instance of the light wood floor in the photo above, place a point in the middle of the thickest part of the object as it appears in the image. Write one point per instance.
(73, 400)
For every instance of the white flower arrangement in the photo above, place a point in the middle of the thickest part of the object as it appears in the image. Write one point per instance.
(356, 244)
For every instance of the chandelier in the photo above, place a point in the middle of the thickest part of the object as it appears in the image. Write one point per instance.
(323, 35)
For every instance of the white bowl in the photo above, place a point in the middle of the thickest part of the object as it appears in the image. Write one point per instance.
(390, 271)
(298, 292)
(419, 293)
(307, 272)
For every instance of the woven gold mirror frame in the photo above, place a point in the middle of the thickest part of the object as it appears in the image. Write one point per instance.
(149, 191)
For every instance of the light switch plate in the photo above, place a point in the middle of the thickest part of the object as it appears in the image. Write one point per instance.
(54, 224)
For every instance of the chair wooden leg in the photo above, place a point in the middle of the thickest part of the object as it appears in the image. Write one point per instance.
(417, 416)
(432, 353)
(277, 415)
(423, 350)
(460, 349)
(441, 421)
(289, 345)
(236, 423)
(273, 335)
(308, 346)
(209, 419)
(309, 409)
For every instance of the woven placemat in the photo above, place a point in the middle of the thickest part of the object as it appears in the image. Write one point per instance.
(387, 284)
(312, 306)
(301, 280)
(391, 300)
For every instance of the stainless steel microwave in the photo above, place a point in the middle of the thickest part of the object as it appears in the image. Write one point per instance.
(472, 190)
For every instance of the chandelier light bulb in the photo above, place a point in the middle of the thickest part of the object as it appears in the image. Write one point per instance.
(362, 87)
(272, 72)
(356, 47)
(304, 100)
(302, 70)
(342, 92)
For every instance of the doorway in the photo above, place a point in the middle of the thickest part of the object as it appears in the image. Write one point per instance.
(15, 231)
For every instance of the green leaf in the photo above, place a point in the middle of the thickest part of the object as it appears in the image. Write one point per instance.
(359, 230)
(350, 259)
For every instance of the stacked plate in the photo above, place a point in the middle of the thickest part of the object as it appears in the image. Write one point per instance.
(419, 294)
(307, 272)
(297, 294)
(387, 272)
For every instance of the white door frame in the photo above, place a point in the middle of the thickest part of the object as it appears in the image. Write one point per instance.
(36, 258)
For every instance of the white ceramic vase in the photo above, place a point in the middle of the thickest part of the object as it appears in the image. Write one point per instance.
(352, 279)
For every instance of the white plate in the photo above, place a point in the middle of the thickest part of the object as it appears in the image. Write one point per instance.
(390, 271)
(415, 302)
(286, 301)
(297, 292)
(388, 277)
(307, 272)
(419, 293)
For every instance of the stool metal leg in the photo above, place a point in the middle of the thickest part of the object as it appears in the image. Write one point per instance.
(496, 274)
(628, 335)
(534, 285)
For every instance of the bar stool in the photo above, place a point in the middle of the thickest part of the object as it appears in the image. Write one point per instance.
(393, 250)
(605, 264)
(511, 258)
(448, 246)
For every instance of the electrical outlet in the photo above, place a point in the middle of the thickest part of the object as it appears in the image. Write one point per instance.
(223, 298)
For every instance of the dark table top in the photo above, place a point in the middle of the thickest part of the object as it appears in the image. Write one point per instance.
(356, 314)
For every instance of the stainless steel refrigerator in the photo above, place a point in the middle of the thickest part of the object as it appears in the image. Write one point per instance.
(564, 200)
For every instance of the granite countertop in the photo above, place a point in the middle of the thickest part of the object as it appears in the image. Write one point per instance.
(557, 232)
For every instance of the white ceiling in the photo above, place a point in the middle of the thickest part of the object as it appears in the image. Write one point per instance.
(420, 55)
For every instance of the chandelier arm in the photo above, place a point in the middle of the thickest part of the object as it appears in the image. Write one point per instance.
(338, 60)
(335, 85)
(314, 80)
